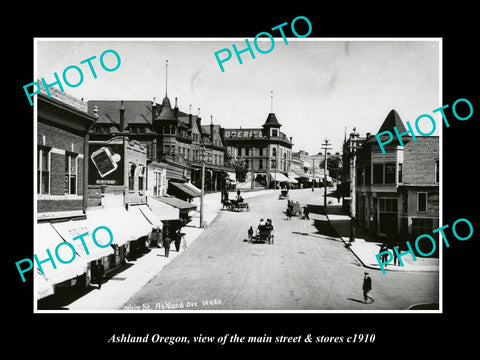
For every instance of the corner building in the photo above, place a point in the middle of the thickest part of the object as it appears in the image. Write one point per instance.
(266, 150)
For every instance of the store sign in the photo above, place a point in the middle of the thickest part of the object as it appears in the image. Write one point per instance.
(106, 164)
(241, 133)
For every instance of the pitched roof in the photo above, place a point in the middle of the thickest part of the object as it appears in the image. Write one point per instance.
(392, 120)
(271, 120)
(136, 111)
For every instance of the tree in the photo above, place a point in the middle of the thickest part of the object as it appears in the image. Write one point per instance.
(238, 165)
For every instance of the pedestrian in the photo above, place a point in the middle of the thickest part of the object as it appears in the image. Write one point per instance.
(250, 234)
(238, 193)
(289, 213)
(396, 244)
(225, 195)
(100, 271)
(384, 249)
(367, 287)
(166, 241)
(306, 212)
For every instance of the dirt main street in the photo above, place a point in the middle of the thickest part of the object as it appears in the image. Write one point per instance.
(305, 269)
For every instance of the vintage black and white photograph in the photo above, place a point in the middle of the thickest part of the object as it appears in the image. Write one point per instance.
(263, 174)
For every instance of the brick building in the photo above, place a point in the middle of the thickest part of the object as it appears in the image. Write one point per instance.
(176, 141)
(62, 141)
(267, 152)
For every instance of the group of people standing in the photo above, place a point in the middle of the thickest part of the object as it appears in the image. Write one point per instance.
(294, 207)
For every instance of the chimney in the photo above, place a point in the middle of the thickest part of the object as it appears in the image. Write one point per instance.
(367, 136)
(211, 128)
(176, 107)
(122, 116)
(154, 110)
(290, 139)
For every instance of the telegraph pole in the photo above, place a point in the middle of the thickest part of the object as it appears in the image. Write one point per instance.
(313, 174)
(326, 147)
(353, 155)
(203, 186)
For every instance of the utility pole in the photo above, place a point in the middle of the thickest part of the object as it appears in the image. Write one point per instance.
(353, 155)
(313, 174)
(203, 186)
(252, 174)
(326, 147)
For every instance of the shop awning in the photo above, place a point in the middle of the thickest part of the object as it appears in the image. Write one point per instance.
(150, 216)
(48, 238)
(124, 226)
(70, 229)
(291, 177)
(163, 210)
(279, 177)
(43, 287)
(185, 189)
(140, 220)
(193, 187)
(177, 203)
(300, 174)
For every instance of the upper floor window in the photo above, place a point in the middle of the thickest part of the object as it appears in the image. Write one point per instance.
(274, 132)
(43, 170)
(422, 201)
(71, 173)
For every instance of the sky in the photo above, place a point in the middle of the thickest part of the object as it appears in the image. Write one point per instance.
(321, 87)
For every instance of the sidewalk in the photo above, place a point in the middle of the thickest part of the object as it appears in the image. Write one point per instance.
(366, 246)
(119, 288)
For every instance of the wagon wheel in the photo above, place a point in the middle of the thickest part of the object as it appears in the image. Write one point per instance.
(247, 208)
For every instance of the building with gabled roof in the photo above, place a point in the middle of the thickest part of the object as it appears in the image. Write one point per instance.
(396, 192)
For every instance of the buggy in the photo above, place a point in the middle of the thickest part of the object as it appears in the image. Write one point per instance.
(235, 205)
(264, 234)
(283, 194)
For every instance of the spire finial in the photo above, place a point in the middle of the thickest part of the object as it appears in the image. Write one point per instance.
(211, 119)
(166, 76)
(271, 101)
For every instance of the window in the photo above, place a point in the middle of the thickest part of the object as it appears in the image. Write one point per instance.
(368, 173)
(131, 177)
(360, 173)
(70, 174)
(43, 171)
(421, 202)
(141, 177)
(423, 226)
(378, 173)
(273, 164)
(400, 173)
(274, 132)
(389, 173)
(274, 152)
(387, 208)
(437, 172)
(246, 163)
(260, 151)
(246, 151)
(260, 164)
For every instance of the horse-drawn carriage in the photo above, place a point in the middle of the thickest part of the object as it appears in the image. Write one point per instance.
(235, 205)
(264, 234)
(283, 194)
(293, 208)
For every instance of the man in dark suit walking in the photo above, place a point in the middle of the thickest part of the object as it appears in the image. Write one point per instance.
(367, 287)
